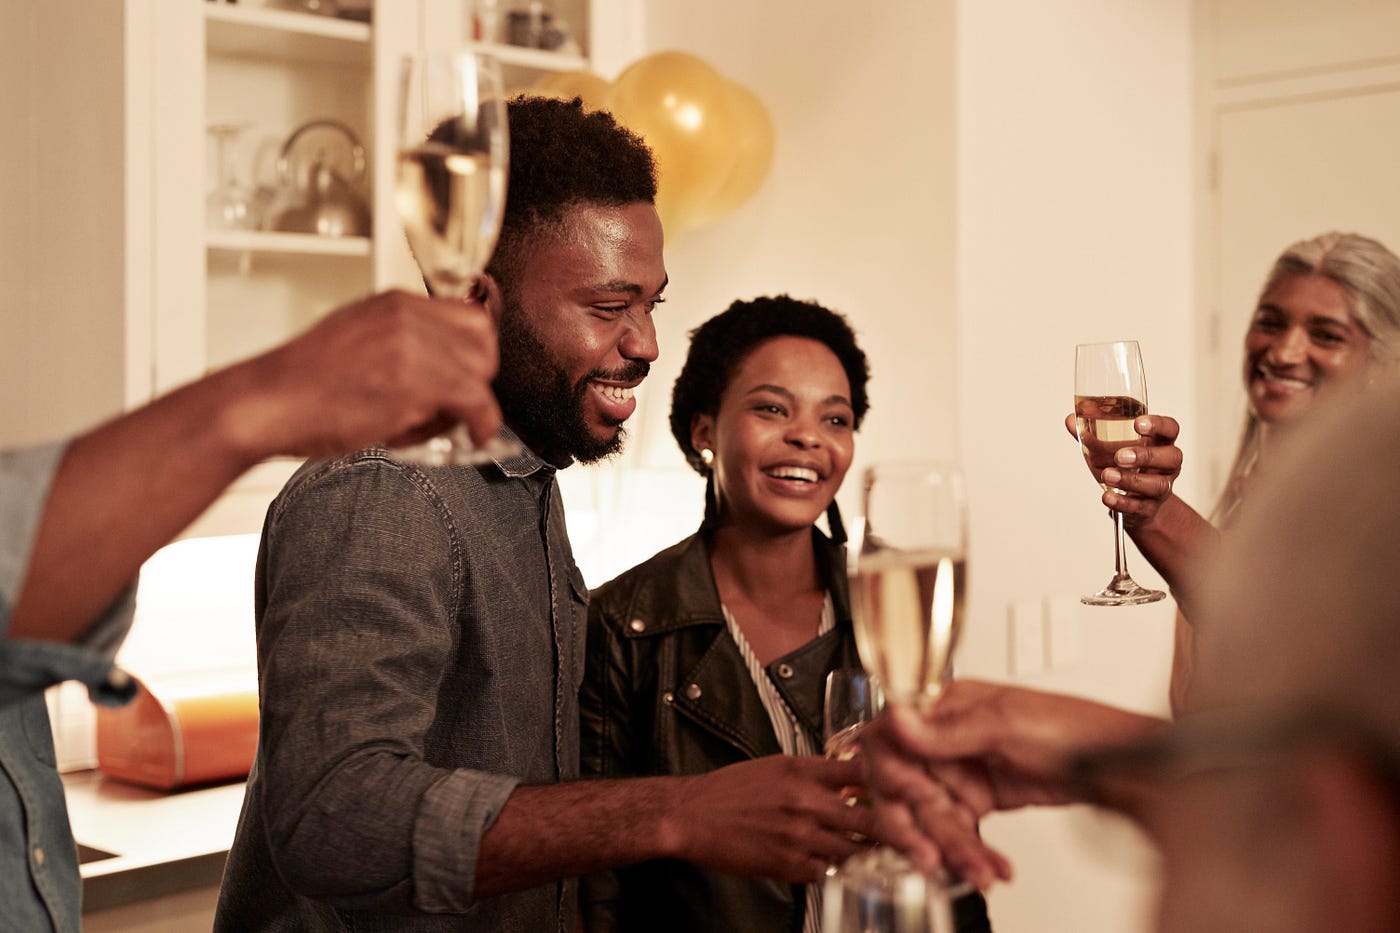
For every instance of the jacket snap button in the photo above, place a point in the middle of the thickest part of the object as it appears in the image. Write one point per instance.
(668, 697)
(637, 625)
(785, 671)
(693, 691)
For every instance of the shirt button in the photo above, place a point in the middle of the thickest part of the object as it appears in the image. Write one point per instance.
(785, 671)
(38, 855)
(692, 692)
(637, 625)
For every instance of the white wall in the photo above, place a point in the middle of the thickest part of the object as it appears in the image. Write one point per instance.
(976, 213)
(1075, 223)
(857, 213)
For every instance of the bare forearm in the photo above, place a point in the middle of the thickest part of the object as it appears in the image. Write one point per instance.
(780, 817)
(121, 491)
(566, 830)
(391, 367)
(1177, 541)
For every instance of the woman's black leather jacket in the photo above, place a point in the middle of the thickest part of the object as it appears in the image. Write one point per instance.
(666, 692)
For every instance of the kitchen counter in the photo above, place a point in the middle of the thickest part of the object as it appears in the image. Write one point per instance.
(135, 844)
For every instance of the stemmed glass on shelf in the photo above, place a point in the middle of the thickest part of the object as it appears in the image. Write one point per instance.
(451, 194)
(1110, 393)
(229, 205)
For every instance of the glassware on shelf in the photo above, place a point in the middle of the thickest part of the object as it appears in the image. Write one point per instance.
(229, 205)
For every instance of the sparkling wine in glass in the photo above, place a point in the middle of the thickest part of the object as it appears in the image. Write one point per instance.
(451, 193)
(908, 577)
(1110, 391)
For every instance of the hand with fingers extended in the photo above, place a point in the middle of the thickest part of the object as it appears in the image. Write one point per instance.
(1141, 476)
(779, 817)
(982, 748)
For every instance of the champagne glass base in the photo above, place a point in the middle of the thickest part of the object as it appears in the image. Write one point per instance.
(454, 447)
(1123, 591)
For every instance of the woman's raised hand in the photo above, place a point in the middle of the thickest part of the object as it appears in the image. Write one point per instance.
(1143, 472)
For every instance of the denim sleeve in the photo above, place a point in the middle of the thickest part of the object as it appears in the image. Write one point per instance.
(28, 667)
(357, 597)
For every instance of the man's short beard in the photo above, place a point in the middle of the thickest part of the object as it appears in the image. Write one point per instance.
(539, 403)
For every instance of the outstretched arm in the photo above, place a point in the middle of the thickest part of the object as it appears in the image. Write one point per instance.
(983, 748)
(393, 367)
(778, 817)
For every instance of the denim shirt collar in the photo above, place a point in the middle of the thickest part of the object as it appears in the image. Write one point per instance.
(521, 464)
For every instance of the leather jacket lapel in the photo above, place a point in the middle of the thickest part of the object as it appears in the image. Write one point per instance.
(718, 695)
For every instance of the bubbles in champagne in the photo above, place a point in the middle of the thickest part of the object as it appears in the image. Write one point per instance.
(1105, 426)
(908, 613)
(450, 202)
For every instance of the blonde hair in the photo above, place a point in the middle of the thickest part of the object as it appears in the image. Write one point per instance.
(1369, 275)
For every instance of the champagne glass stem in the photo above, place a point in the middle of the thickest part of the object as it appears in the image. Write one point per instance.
(1120, 563)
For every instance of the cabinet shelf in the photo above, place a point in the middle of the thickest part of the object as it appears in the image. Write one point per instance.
(283, 35)
(538, 59)
(305, 244)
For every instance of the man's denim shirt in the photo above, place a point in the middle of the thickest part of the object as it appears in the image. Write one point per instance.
(39, 884)
(420, 649)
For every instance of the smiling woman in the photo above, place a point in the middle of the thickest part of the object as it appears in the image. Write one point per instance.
(717, 649)
(1327, 322)
(1328, 315)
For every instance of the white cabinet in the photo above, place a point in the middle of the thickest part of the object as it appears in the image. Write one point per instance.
(116, 288)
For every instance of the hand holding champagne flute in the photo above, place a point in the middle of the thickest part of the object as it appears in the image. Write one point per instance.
(1110, 393)
(451, 194)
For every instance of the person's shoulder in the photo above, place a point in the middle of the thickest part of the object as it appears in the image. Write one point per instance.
(315, 474)
(373, 475)
(656, 579)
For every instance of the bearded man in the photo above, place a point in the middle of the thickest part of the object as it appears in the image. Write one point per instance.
(421, 629)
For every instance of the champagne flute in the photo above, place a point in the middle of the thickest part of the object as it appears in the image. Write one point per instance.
(451, 194)
(908, 577)
(1110, 392)
(851, 700)
(880, 891)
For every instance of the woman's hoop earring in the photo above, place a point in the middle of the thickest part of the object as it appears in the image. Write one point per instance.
(707, 456)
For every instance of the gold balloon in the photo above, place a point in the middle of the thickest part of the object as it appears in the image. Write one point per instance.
(753, 145)
(680, 106)
(566, 85)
